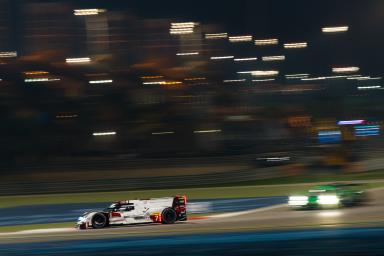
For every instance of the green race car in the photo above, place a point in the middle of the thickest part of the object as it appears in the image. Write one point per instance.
(328, 196)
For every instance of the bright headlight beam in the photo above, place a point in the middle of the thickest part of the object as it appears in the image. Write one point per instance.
(328, 200)
(297, 200)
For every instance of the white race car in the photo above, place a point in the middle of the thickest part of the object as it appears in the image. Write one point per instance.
(165, 210)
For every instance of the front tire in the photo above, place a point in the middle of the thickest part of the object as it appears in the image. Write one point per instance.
(169, 216)
(99, 220)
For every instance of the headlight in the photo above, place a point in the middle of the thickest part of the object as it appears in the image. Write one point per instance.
(298, 200)
(81, 219)
(328, 200)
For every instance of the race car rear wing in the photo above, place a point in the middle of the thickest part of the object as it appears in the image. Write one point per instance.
(180, 207)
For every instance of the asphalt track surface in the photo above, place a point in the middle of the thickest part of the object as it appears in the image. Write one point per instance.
(352, 241)
(274, 229)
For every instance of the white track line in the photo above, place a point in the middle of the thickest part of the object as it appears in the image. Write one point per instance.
(39, 231)
(233, 214)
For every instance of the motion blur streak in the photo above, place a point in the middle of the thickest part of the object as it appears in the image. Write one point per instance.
(273, 58)
(234, 104)
(78, 60)
(103, 133)
(8, 54)
(345, 69)
(335, 29)
(101, 81)
(261, 42)
(87, 12)
(216, 36)
(295, 45)
(235, 39)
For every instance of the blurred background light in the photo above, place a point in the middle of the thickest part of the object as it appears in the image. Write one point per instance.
(273, 58)
(8, 54)
(264, 80)
(206, 131)
(345, 69)
(187, 53)
(367, 130)
(351, 122)
(261, 42)
(87, 12)
(151, 77)
(235, 39)
(182, 28)
(333, 136)
(78, 60)
(373, 87)
(296, 45)
(245, 59)
(222, 57)
(195, 79)
(335, 29)
(162, 133)
(234, 80)
(216, 36)
(297, 76)
(101, 81)
(265, 73)
(104, 133)
(35, 73)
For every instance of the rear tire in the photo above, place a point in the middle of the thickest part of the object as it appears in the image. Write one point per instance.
(169, 216)
(99, 220)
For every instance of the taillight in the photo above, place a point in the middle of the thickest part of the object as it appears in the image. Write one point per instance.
(115, 214)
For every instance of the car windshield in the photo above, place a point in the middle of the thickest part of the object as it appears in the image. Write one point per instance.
(112, 207)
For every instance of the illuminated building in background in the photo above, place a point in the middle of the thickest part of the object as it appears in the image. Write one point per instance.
(96, 29)
(5, 25)
(47, 26)
(189, 43)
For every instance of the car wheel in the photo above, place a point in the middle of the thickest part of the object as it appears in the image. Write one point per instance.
(99, 220)
(169, 216)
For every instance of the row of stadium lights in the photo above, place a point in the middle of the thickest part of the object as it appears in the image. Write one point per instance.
(113, 133)
(264, 58)
(188, 28)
